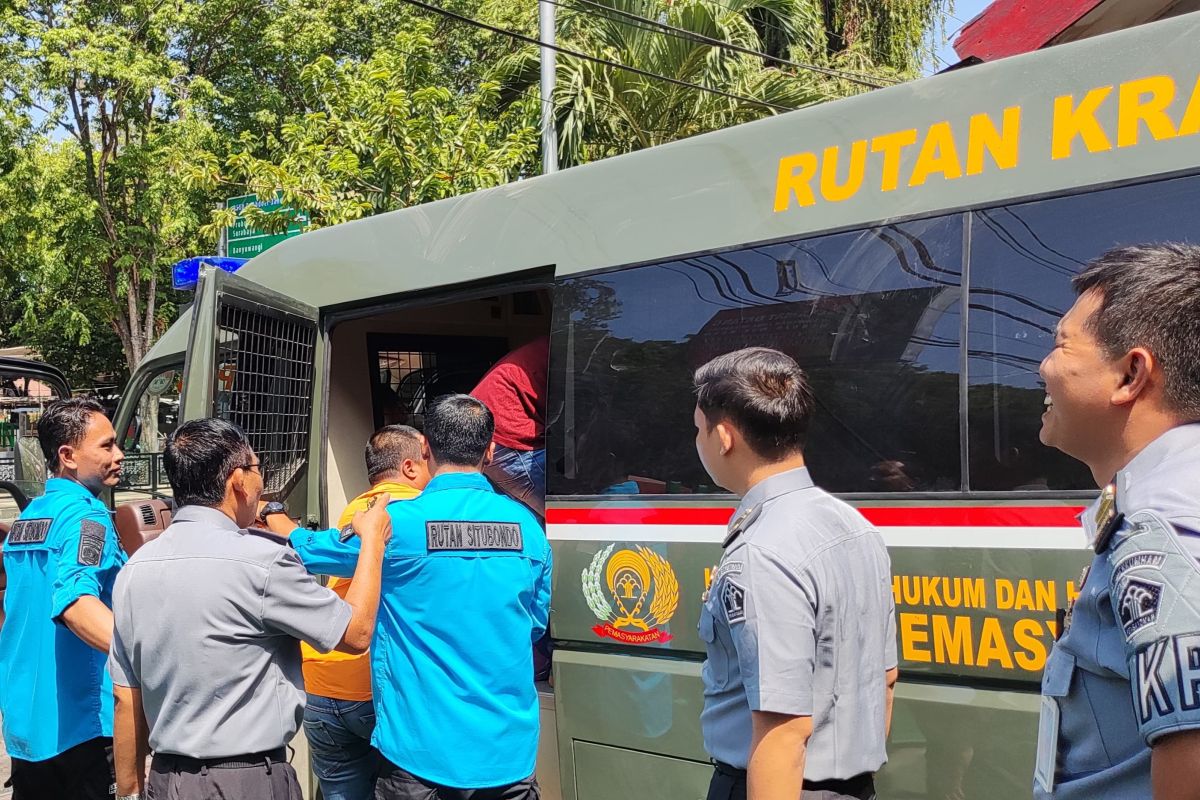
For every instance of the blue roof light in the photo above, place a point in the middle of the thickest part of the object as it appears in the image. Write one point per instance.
(186, 273)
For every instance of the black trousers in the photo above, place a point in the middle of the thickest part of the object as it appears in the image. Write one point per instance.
(260, 776)
(85, 772)
(397, 784)
(729, 783)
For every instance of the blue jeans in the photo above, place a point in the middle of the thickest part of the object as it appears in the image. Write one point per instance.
(520, 474)
(339, 737)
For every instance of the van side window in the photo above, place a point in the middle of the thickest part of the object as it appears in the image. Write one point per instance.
(872, 316)
(1022, 260)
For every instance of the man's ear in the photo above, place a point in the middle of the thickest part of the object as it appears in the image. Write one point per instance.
(236, 483)
(489, 454)
(408, 468)
(426, 453)
(66, 457)
(727, 436)
(1138, 363)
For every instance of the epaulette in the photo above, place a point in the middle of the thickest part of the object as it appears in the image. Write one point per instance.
(261, 533)
(1108, 520)
(740, 524)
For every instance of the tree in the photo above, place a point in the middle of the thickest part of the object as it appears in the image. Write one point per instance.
(602, 111)
(382, 134)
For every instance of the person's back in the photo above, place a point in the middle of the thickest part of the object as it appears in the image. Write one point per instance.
(465, 593)
(462, 599)
(243, 666)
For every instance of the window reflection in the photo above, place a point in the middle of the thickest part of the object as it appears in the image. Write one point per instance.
(872, 316)
(1022, 261)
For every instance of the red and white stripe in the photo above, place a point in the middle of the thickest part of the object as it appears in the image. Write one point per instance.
(995, 527)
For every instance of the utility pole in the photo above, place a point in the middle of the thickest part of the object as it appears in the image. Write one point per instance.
(546, 13)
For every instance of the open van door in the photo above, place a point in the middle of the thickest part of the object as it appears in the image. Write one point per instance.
(251, 360)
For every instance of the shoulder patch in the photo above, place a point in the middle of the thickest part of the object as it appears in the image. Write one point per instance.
(29, 531)
(282, 541)
(1137, 604)
(733, 597)
(91, 542)
(463, 535)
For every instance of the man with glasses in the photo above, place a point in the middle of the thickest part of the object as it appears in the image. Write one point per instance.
(205, 656)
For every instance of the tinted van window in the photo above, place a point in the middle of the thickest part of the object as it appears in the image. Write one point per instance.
(872, 316)
(1022, 260)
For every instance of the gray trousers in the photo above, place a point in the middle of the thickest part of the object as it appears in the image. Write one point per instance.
(178, 778)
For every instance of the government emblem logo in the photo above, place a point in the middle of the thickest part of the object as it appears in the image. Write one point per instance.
(643, 591)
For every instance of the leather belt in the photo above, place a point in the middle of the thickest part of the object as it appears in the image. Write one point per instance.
(187, 763)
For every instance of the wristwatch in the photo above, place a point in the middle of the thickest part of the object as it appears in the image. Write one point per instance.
(271, 508)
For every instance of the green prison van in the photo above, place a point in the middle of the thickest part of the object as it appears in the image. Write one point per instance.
(911, 247)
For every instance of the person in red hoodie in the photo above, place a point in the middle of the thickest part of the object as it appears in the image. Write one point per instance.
(515, 392)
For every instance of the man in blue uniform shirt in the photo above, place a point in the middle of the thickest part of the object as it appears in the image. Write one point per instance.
(465, 593)
(62, 557)
(1121, 689)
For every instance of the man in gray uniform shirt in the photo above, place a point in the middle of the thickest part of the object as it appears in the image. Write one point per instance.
(1121, 689)
(798, 622)
(205, 655)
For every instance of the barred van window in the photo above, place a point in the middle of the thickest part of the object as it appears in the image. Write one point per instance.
(264, 385)
(1023, 257)
(872, 316)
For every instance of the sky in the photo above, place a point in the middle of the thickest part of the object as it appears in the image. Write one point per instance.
(964, 12)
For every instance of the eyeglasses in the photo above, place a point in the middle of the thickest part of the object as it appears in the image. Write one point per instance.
(259, 465)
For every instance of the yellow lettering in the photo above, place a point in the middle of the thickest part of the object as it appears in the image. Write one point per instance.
(1072, 591)
(1191, 118)
(1145, 101)
(1004, 145)
(938, 154)
(795, 174)
(1005, 594)
(992, 646)
(912, 591)
(1028, 635)
(1024, 599)
(974, 593)
(929, 590)
(911, 636)
(896, 589)
(1071, 121)
(1045, 595)
(830, 189)
(891, 145)
(952, 645)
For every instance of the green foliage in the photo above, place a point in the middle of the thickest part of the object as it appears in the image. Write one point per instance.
(602, 111)
(124, 123)
(384, 133)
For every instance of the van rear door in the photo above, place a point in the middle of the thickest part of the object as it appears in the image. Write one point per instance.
(251, 360)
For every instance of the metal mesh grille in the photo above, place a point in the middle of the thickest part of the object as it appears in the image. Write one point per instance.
(405, 378)
(264, 385)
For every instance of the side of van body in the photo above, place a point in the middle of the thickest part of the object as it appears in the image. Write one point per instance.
(912, 248)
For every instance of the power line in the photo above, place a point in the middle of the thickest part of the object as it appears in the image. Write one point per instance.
(594, 59)
(699, 37)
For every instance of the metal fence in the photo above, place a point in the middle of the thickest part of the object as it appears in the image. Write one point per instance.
(143, 471)
(8, 468)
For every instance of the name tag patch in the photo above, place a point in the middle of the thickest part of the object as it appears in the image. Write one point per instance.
(29, 531)
(91, 543)
(461, 535)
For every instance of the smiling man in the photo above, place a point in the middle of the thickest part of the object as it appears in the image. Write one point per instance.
(1121, 690)
(62, 558)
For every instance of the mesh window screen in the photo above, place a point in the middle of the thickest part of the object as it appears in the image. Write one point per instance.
(264, 385)
(405, 378)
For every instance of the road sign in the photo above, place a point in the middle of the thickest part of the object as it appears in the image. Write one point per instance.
(245, 241)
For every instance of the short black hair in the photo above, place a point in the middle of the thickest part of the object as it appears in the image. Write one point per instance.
(763, 393)
(1150, 297)
(200, 456)
(64, 422)
(388, 447)
(459, 429)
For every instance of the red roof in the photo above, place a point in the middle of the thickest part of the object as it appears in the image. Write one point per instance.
(1008, 27)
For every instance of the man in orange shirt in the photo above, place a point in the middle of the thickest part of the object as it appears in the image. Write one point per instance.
(339, 715)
